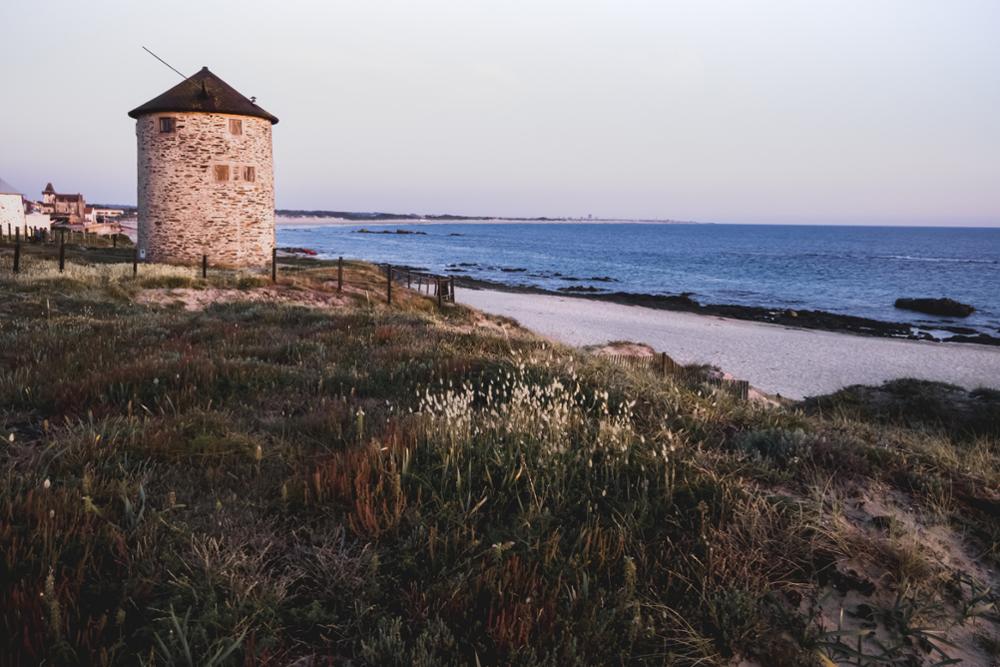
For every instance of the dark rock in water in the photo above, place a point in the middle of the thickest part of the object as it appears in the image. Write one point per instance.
(982, 339)
(681, 301)
(389, 231)
(943, 307)
(579, 289)
(964, 331)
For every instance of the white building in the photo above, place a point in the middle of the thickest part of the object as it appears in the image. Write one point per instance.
(11, 208)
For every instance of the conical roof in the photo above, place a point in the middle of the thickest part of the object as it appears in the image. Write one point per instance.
(206, 93)
(8, 189)
(49, 190)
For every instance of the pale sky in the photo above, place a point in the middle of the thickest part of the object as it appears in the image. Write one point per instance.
(807, 111)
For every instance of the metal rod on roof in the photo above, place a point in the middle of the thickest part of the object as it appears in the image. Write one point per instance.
(164, 62)
(186, 78)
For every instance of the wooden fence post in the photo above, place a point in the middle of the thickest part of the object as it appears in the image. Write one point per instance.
(135, 261)
(204, 266)
(114, 240)
(451, 287)
(274, 265)
(440, 302)
(17, 256)
(388, 284)
(663, 363)
(409, 279)
(62, 256)
(340, 274)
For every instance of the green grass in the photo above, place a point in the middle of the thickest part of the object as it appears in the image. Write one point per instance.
(255, 483)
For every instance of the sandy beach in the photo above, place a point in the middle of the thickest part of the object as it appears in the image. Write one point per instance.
(792, 362)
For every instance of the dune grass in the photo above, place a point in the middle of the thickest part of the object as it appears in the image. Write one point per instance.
(259, 482)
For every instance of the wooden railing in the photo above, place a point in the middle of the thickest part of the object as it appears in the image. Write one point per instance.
(442, 287)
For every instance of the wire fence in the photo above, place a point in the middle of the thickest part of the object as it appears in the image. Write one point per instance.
(52, 245)
(439, 287)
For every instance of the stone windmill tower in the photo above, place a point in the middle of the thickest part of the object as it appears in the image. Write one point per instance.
(206, 175)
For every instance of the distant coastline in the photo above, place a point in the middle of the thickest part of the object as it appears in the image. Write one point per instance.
(382, 222)
(307, 219)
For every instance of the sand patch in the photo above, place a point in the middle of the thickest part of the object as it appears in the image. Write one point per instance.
(199, 299)
(879, 526)
(481, 322)
(621, 348)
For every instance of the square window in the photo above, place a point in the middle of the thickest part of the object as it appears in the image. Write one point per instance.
(235, 126)
(167, 124)
(222, 172)
(249, 174)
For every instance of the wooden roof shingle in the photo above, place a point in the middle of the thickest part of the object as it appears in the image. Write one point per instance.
(203, 92)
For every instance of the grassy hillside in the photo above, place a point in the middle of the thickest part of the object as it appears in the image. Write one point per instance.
(224, 471)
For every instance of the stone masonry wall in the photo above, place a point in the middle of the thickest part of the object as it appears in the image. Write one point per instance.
(184, 211)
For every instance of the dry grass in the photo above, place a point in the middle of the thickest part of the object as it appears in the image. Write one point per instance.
(256, 481)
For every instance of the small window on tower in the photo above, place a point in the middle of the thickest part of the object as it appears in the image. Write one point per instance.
(249, 173)
(222, 172)
(167, 124)
(235, 126)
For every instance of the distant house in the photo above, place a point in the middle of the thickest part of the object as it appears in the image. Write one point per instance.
(107, 214)
(11, 207)
(64, 209)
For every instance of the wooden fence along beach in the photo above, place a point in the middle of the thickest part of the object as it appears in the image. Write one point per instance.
(52, 245)
(443, 287)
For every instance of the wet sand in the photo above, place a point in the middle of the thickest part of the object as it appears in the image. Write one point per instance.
(774, 358)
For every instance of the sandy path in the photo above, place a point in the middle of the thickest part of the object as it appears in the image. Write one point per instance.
(777, 359)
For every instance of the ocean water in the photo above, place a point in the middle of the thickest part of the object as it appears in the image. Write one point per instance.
(847, 270)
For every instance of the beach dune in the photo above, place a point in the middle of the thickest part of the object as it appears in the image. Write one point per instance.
(780, 360)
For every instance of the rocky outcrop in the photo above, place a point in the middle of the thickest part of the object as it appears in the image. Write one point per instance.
(943, 307)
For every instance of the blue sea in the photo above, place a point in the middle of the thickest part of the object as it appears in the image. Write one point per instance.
(847, 270)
